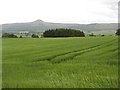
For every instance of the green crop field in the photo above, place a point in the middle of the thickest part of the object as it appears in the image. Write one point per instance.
(86, 62)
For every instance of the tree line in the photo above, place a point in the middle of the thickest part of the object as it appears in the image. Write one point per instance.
(57, 33)
(9, 35)
(63, 33)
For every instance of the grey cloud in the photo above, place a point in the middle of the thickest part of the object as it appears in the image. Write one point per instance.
(112, 4)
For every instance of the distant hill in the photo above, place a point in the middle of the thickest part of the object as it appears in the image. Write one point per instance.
(41, 26)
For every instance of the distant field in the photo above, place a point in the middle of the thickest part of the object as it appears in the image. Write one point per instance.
(87, 62)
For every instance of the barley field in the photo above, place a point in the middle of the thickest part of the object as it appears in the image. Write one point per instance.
(85, 62)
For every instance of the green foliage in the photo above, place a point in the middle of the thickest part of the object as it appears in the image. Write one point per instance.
(103, 35)
(118, 32)
(8, 35)
(34, 36)
(63, 33)
(21, 37)
(92, 34)
(84, 62)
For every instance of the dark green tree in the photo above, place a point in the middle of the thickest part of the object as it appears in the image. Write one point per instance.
(118, 32)
(21, 37)
(34, 36)
(102, 35)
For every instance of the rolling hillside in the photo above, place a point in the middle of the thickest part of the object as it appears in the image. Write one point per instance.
(41, 26)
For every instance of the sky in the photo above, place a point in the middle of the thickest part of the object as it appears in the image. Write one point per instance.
(59, 11)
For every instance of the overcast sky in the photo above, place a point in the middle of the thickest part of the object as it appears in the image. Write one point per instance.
(59, 11)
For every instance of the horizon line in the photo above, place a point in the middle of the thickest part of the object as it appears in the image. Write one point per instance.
(55, 22)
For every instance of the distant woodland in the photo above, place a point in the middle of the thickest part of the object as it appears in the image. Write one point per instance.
(63, 33)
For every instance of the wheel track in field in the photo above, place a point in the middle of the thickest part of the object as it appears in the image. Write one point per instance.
(74, 53)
